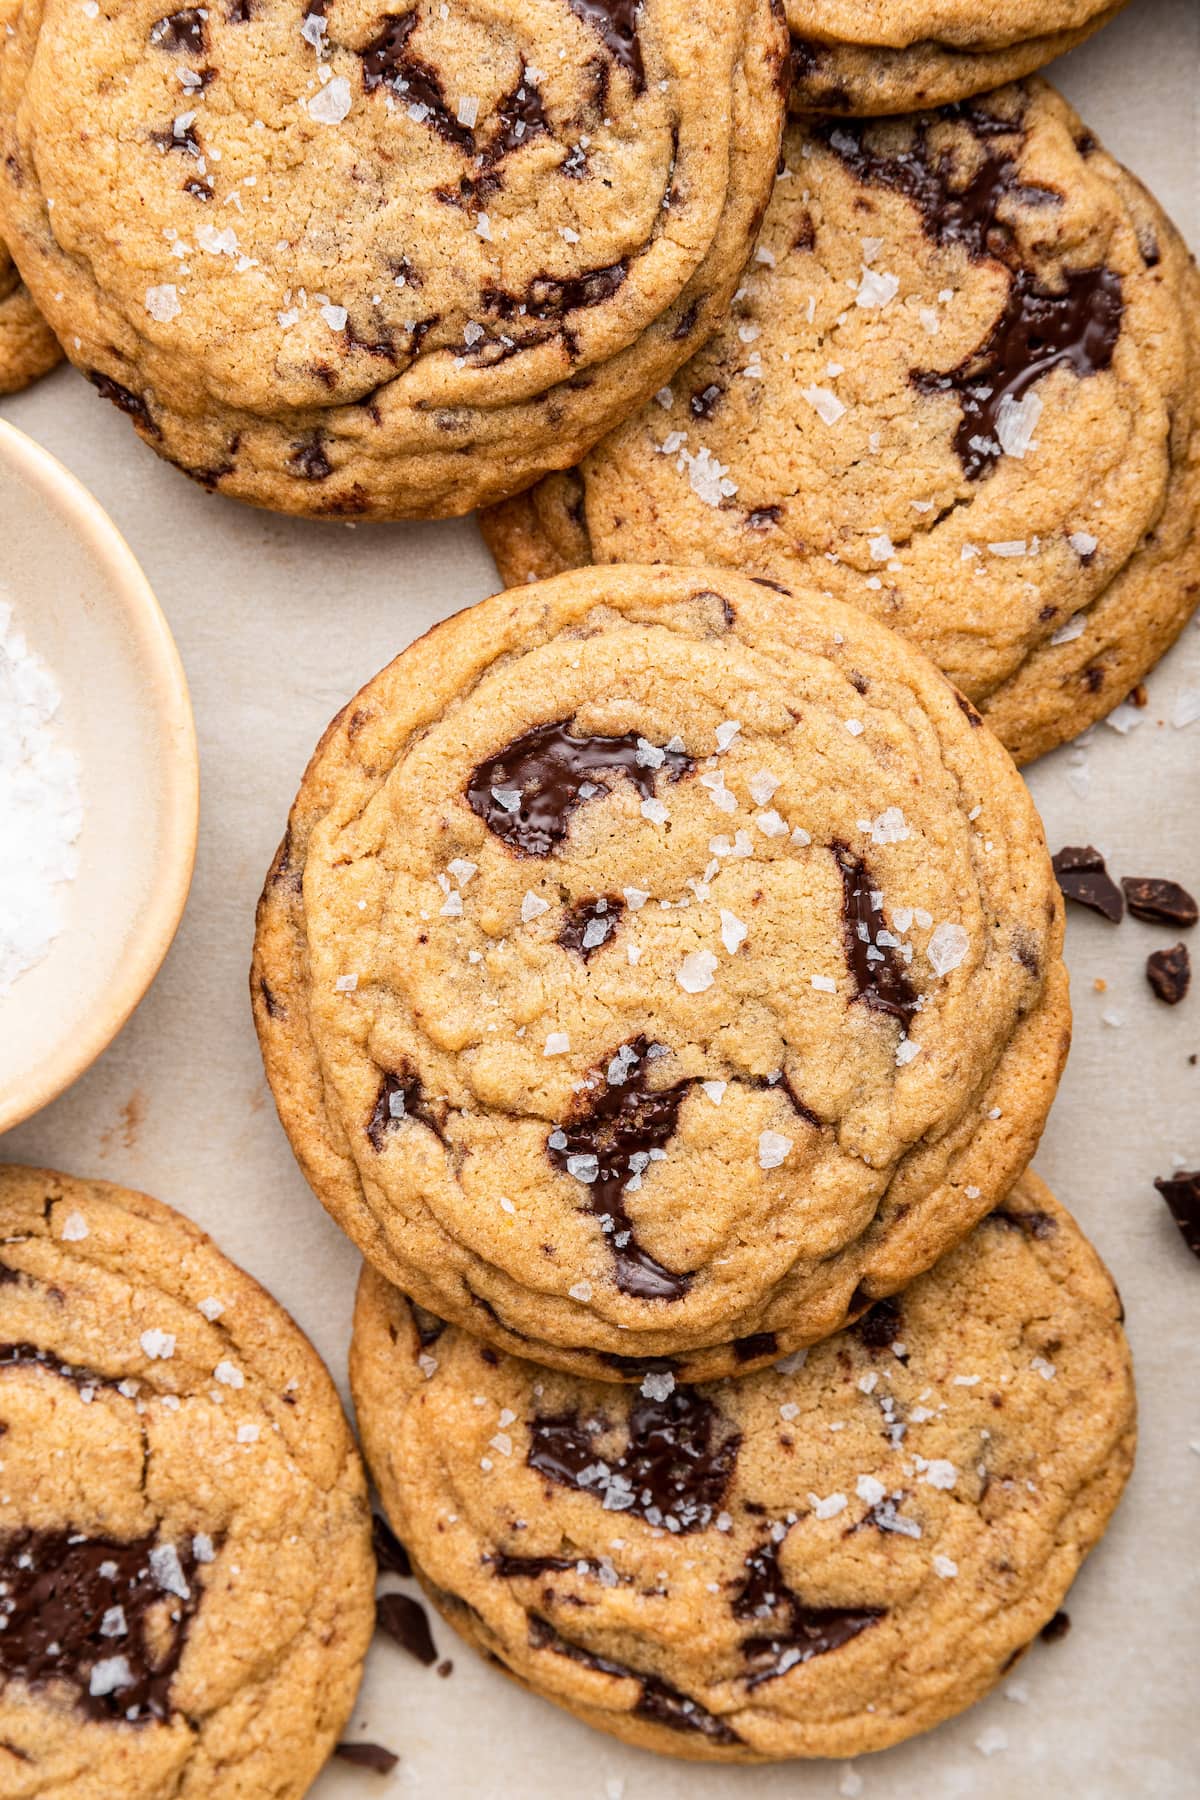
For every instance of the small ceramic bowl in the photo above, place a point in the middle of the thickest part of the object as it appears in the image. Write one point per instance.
(85, 608)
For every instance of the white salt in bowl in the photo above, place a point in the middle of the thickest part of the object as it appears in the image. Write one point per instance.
(87, 612)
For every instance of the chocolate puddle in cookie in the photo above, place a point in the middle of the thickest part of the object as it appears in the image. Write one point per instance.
(185, 30)
(674, 1469)
(590, 924)
(108, 1619)
(808, 1631)
(1039, 329)
(658, 1701)
(387, 60)
(879, 976)
(618, 1133)
(401, 1097)
(520, 117)
(527, 793)
(25, 1356)
(616, 23)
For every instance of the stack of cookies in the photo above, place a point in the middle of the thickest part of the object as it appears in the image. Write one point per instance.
(660, 979)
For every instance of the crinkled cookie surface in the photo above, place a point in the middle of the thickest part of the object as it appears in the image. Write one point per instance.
(657, 965)
(817, 1560)
(186, 1577)
(960, 387)
(347, 261)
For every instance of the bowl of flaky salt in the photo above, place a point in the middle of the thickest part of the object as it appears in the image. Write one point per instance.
(99, 782)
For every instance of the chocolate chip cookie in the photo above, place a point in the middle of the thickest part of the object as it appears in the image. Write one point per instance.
(185, 1564)
(28, 347)
(960, 387)
(822, 1559)
(357, 262)
(659, 966)
(890, 56)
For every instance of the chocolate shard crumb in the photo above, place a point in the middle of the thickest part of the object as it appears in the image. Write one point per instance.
(1056, 1628)
(1083, 878)
(1182, 1194)
(1169, 973)
(1159, 902)
(390, 1553)
(407, 1624)
(368, 1756)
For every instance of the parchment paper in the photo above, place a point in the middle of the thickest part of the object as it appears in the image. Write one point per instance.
(278, 623)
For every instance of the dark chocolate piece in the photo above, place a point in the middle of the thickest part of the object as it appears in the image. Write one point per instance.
(390, 1554)
(407, 1624)
(1056, 1628)
(129, 403)
(520, 118)
(1159, 902)
(614, 1137)
(401, 1097)
(1034, 1224)
(616, 21)
(185, 30)
(1182, 1194)
(880, 1327)
(750, 1349)
(1039, 329)
(879, 975)
(1083, 878)
(590, 924)
(806, 1631)
(388, 60)
(108, 1619)
(368, 1756)
(674, 1470)
(1169, 973)
(527, 793)
(658, 1701)
(549, 298)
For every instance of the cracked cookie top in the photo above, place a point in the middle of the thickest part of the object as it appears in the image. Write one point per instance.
(350, 261)
(960, 386)
(889, 56)
(657, 965)
(819, 1560)
(185, 1563)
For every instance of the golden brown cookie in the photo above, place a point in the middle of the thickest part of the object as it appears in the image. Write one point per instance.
(185, 1564)
(657, 965)
(891, 56)
(819, 1560)
(28, 347)
(348, 261)
(960, 388)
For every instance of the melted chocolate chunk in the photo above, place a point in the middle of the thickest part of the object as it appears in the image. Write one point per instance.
(804, 1631)
(108, 1619)
(1169, 973)
(549, 298)
(616, 21)
(880, 1328)
(1083, 878)
(1039, 329)
(529, 1568)
(1159, 902)
(607, 1148)
(429, 1329)
(1034, 1224)
(186, 30)
(368, 1756)
(308, 459)
(528, 792)
(1182, 1194)
(703, 402)
(130, 403)
(658, 1701)
(406, 1622)
(674, 1469)
(34, 1356)
(750, 1349)
(388, 60)
(879, 976)
(390, 1554)
(520, 117)
(764, 516)
(590, 924)
(1055, 1629)
(401, 1097)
